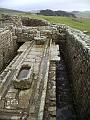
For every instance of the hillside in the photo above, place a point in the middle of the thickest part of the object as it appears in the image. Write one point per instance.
(55, 13)
(84, 14)
(10, 11)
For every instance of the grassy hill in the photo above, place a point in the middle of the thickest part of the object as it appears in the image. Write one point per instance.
(10, 11)
(49, 12)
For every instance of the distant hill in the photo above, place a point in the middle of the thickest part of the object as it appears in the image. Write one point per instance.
(48, 12)
(83, 14)
(5, 10)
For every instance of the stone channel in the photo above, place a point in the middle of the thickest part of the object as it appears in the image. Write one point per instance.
(64, 100)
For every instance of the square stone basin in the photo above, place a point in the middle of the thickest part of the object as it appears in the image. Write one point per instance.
(23, 78)
(23, 73)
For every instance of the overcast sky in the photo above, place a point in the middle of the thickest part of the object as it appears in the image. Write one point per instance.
(68, 5)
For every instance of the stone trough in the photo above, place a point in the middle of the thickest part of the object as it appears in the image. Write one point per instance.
(23, 78)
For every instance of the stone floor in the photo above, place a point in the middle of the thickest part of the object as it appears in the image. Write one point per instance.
(15, 104)
(48, 97)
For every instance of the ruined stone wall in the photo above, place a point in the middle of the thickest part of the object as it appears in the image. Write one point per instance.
(33, 22)
(76, 51)
(7, 20)
(28, 33)
(25, 34)
(7, 48)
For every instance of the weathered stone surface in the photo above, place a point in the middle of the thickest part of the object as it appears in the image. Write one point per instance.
(8, 19)
(7, 48)
(76, 51)
(1, 104)
(50, 106)
(22, 84)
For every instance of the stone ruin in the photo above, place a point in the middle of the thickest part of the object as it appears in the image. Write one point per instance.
(45, 71)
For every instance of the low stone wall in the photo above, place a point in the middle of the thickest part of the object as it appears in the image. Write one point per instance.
(76, 51)
(7, 48)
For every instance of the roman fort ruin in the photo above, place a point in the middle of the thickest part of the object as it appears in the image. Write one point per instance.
(44, 70)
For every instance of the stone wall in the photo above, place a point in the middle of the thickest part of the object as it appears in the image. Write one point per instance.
(8, 20)
(75, 47)
(25, 34)
(7, 48)
(33, 22)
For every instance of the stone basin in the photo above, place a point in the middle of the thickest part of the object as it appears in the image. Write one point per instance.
(23, 78)
(23, 73)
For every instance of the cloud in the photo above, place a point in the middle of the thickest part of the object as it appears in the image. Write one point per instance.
(44, 4)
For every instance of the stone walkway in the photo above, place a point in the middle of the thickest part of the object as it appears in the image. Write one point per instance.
(50, 106)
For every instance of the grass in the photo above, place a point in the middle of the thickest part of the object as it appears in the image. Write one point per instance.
(81, 24)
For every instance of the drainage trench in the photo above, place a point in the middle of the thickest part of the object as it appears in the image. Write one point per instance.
(64, 103)
(59, 100)
(64, 97)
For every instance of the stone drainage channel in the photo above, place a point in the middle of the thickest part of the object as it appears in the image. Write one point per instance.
(59, 104)
(64, 102)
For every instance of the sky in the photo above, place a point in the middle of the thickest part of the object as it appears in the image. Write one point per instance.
(28, 5)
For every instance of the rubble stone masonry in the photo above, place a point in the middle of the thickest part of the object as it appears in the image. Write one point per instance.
(76, 51)
(7, 48)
